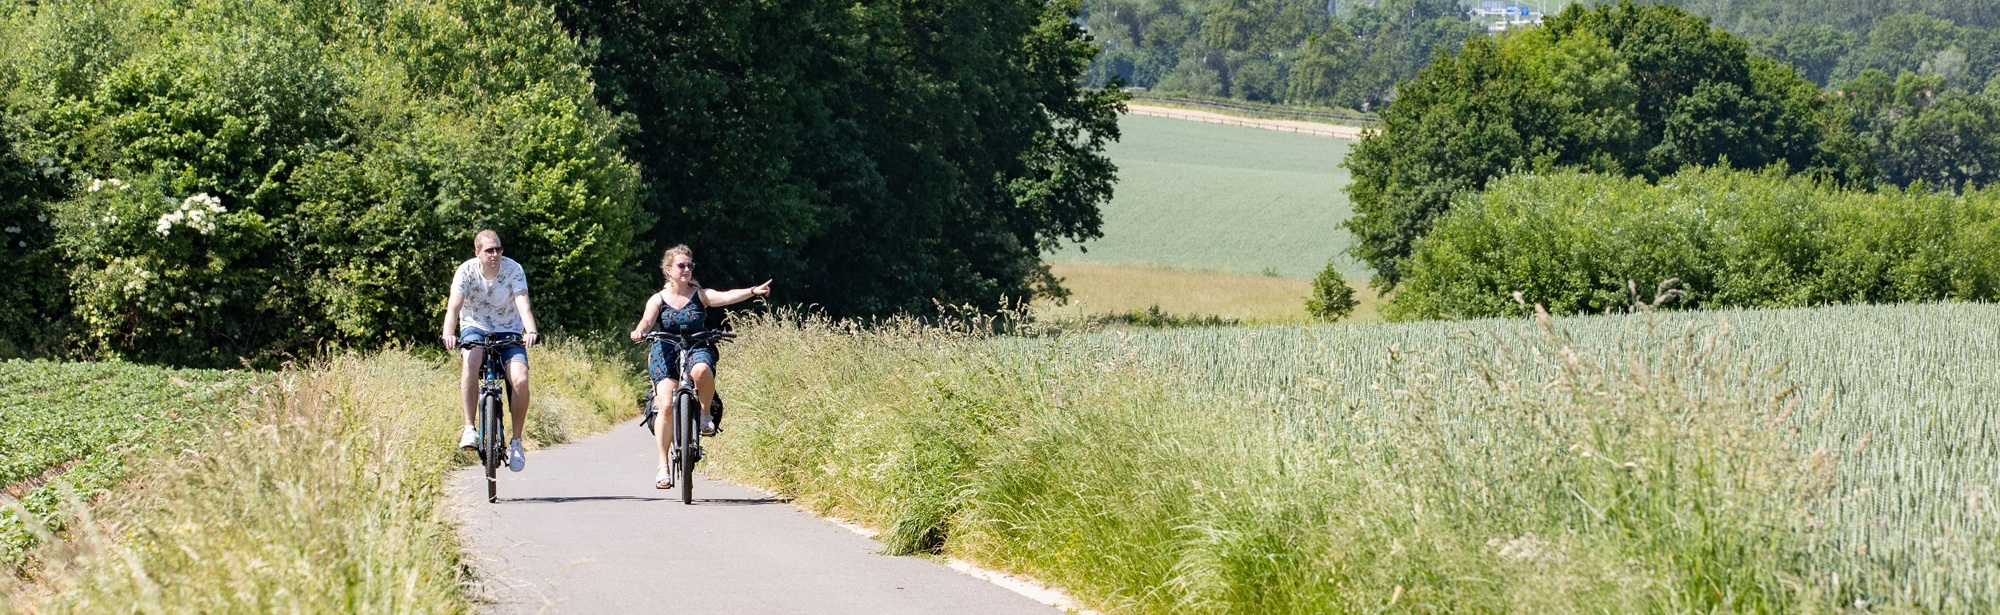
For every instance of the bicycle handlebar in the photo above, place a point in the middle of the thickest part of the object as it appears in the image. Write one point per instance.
(502, 343)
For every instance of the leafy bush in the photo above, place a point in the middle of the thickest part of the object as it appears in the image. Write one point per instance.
(1332, 299)
(254, 179)
(1626, 89)
(1581, 243)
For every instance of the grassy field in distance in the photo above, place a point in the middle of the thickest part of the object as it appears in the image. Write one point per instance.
(1226, 199)
(1114, 288)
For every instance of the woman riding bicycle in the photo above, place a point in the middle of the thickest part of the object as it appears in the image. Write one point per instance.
(691, 316)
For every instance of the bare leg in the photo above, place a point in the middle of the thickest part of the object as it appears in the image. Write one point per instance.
(663, 425)
(704, 385)
(468, 382)
(517, 376)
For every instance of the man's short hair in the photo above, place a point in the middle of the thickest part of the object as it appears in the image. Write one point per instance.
(485, 234)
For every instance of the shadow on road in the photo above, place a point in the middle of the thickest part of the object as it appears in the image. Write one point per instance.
(583, 498)
(634, 498)
(742, 501)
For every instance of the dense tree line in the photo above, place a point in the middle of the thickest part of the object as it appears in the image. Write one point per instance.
(1645, 90)
(1289, 51)
(1964, 55)
(873, 157)
(1625, 89)
(214, 181)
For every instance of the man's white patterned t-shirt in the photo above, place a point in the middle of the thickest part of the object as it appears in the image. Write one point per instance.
(489, 304)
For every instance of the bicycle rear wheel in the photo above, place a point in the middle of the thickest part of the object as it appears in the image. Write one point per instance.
(491, 443)
(684, 436)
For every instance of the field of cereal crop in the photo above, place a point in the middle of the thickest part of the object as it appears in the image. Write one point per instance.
(1224, 199)
(1801, 460)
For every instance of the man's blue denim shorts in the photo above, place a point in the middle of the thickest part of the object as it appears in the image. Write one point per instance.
(507, 355)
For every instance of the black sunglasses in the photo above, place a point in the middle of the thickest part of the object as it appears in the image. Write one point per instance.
(492, 250)
(684, 265)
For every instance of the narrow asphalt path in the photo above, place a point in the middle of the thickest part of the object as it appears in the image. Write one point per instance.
(582, 530)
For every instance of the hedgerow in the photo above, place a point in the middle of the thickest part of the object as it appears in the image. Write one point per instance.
(213, 180)
(1581, 243)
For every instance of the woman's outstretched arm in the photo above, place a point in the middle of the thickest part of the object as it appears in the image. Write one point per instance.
(719, 298)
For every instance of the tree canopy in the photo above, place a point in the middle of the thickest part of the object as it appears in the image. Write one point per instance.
(1290, 51)
(1628, 89)
(215, 181)
(873, 157)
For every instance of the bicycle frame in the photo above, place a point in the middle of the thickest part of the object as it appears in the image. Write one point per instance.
(493, 386)
(685, 450)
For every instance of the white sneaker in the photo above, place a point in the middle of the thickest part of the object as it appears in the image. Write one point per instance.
(468, 438)
(516, 458)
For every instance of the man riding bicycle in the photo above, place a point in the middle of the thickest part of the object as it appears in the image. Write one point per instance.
(489, 302)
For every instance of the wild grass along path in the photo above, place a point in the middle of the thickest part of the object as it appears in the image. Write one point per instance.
(582, 530)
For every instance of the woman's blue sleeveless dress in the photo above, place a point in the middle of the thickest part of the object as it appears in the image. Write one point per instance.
(663, 361)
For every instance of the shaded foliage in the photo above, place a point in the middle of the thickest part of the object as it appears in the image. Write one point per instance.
(872, 157)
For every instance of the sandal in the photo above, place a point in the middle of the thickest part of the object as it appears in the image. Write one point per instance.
(665, 479)
(707, 428)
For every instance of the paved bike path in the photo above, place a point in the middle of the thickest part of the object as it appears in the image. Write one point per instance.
(582, 530)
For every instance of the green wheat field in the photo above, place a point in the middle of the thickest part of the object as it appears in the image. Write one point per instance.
(1224, 199)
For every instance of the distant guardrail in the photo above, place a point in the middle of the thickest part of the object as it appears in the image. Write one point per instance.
(1352, 119)
(1317, 129)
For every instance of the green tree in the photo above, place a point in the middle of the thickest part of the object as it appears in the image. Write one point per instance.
(1332, 299)
(1328, 70)
(1905, 42)
(1816, 50)
(1625, 89)
(873, 157)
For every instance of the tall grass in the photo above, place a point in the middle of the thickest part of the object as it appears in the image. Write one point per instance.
(1658, 464)
(330, 498)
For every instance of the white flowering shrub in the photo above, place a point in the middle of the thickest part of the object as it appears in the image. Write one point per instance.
(197, 213)
(157, 271)
(227, 181)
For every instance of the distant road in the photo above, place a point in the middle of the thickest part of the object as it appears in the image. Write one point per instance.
(1304, 128)
(584, 531)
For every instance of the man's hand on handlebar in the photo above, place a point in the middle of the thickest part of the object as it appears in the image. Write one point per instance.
(450, 341)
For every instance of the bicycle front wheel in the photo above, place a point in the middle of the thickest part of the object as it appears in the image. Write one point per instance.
(491, 444)
(685, 409)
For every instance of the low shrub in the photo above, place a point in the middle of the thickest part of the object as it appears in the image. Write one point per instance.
(1580, 243)
(1332, 299)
